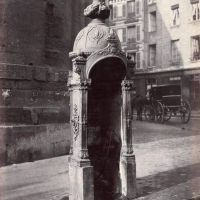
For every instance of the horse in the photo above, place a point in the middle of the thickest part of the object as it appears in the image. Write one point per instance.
(138, 103)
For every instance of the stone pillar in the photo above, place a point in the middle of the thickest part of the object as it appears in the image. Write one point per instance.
(127, 159)
(80, 169)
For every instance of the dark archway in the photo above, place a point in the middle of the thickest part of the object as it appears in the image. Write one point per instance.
(104, 125)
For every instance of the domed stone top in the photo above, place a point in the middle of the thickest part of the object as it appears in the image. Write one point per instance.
(97, 35)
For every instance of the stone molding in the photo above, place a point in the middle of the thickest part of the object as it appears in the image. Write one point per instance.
(82, 85)
(26, 72)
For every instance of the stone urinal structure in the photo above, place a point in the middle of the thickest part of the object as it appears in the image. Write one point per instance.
(102, 161)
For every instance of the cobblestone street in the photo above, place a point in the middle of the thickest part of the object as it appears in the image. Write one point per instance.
(167, 158)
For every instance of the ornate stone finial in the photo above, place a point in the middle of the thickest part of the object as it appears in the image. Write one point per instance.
(97, 10)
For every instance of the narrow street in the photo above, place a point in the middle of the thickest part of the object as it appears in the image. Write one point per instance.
(167, 159)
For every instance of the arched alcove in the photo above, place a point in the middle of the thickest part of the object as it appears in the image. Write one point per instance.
(102, 161)
(104, 125)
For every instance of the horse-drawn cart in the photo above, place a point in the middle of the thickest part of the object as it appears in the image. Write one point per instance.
(166, 101)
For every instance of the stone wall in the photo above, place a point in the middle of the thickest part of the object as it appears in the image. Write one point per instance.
(35, 39)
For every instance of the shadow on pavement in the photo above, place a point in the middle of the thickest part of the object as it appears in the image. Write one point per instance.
(163, 180)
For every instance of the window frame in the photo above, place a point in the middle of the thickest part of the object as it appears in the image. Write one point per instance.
(176, 44)
(197, 13)
(195, 55)
(151, 27)
(175, 14)
(131, 14)
(133, 39)
(149, 55)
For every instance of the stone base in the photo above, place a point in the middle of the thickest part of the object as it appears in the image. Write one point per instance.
(128, 175)
(80, 180)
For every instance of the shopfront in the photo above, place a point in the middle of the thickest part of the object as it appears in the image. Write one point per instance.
(188, 79)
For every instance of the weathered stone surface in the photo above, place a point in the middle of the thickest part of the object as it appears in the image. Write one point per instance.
(100, 113)
(25, 143)
(35, 38)
(79, 175)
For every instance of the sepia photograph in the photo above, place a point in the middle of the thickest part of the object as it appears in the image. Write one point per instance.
(99, 99)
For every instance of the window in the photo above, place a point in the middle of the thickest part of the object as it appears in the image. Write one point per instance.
(131, 8)
(175, 56)
(152, 55)
(119, 10)
(135, 57)
(121, 34)
(196, 47)
(195, 10)
(132, 55)
(137, 7)
(175, 15)
(152, 21)
(131, 34)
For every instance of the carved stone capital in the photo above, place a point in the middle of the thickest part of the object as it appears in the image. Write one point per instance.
(82, 85)
(78, 64)
(75, 54)
(80, 59)
(127, 85)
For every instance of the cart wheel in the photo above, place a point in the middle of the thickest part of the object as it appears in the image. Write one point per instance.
(167, 114)
(159, 111)
(185, 112)
(149, 113)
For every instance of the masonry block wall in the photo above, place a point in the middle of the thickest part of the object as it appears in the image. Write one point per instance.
(35, 39)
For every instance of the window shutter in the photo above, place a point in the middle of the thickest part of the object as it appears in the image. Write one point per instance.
(138, 33)
(114, 12)
(111, 13)
(137, 7)
(138, 60)
(124, 35)
(124, 10)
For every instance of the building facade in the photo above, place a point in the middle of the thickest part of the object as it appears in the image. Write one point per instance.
(168, 48)
(35, 40)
